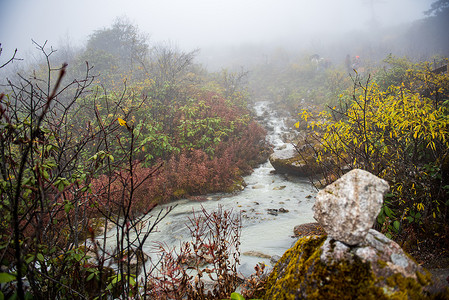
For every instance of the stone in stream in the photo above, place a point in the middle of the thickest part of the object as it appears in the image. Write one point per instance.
(275, 211)
(300, 162)
(288, 161)
(308, 229)
(348, 208)
(256, 254)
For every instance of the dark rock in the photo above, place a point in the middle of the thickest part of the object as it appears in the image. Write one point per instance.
(275, 211)
(272, 211)
(308, 229)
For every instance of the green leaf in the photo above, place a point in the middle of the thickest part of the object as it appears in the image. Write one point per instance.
(90, 276)
(29, 259)
(78, 257)
(396, 225)
(116, 279)
(14, 296)
(45, 174)
(381, 218)
(132, 282)
(6, 277)
(60, 186)
(388, 212)
(237, 296)
(40, 257)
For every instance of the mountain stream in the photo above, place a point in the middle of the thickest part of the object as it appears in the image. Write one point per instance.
(265, 231)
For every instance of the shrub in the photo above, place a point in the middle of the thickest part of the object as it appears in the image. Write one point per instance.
(396, 134)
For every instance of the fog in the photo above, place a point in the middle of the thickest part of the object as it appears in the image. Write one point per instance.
(210, 25)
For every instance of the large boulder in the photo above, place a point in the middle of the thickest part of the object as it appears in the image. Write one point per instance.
(352, 261)
(288, 161)
(348, 208)
(319, 267)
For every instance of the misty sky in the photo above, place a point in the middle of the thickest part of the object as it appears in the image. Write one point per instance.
(195, 23)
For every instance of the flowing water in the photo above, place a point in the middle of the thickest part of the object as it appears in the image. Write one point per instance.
(262, 232)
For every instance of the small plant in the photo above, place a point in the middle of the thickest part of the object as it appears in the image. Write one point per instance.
(206, 266)
(254, 286)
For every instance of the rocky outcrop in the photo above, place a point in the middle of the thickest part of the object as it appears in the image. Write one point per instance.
(352, 261)
(288, 161)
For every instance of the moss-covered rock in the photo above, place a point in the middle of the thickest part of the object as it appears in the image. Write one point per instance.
(288, 161)
(238, 185)
(317, 267)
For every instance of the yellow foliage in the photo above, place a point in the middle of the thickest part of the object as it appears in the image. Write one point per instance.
(121, 122)
(394, 133)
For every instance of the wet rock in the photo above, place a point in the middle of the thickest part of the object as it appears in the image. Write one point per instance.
(289, 136)
(258, 186)
(323, 268)
(282, 147)
(278, 188)
(272, 211)
(347, 208)
(288, 161)
(275, 211)
(98, 225)
(238, 185)
(274, 259)
(256, 254)
(135, 259)
(308, 229)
